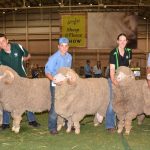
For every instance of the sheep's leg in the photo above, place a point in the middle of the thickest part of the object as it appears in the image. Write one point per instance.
(69, 125)
(121, 122)
(128, 122)
(96, 123)
(77, 127)
(120, 126)
(140, 119)
(60, 123)
(16, 123)
(97, 119)
(76, 119)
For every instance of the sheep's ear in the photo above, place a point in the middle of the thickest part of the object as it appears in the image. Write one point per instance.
(9, 77)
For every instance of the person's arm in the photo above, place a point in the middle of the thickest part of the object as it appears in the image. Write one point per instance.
(27, 57)
(112, 74)
(49, 76)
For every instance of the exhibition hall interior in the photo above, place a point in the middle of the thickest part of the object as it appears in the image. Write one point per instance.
(92, 27)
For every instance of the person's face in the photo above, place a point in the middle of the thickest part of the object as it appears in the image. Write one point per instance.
(122, 41)
(3, 42)
(63, 48)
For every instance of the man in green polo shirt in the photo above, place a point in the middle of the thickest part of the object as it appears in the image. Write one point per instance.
(14, 55)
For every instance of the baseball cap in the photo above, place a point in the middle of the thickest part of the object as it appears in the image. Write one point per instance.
(63, 40)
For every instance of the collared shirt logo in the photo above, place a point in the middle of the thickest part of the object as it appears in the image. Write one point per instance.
(16, 54)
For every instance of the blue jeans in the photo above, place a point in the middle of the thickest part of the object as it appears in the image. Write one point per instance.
(6, 117)
(110, 120)
(52, 118)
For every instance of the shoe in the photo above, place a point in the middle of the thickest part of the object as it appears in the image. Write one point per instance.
(5, 126)
(53, 132)
(72, 128)
(34, 124)
(111, 130)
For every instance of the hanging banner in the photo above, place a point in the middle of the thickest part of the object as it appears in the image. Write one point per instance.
(74, 28)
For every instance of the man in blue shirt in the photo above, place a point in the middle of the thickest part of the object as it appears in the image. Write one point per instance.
(87, 69)
(59, 59)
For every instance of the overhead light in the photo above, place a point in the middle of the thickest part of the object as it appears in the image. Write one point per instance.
(79, 3)
(91, 4)
(144, 18)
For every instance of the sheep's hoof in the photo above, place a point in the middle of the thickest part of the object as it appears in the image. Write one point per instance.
(16, 130)
(119, 131)
(77, 131)
(127, 132)
(59, 127)
(68, 130)
(96, 124)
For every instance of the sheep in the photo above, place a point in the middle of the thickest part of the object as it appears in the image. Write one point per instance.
(19, 94)
(131, 99)
(76, 97)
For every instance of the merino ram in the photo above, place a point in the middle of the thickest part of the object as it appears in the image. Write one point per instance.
(77, 97)
(18, 94)
(131, 99)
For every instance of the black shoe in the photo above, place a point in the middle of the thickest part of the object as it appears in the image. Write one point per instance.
(5, 126)
(111, 130)
(34, 124)
(53, 132)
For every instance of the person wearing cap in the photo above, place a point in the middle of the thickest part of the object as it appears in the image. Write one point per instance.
(61, 58)
(148, 70)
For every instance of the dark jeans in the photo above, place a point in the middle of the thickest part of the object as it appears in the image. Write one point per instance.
(6, 117)
(110, 120)
(52, 118)
(88, 76)
(97, 75)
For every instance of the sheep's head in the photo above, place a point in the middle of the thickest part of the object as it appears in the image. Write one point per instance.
(66, 74)
(124, 74)
(6, 75)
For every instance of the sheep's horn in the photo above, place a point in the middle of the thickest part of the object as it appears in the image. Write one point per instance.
(10, 73)
(72, 77)
(2, 75)
(10, 77)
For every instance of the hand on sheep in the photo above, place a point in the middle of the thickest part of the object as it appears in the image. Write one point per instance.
(115, 82)
(58, 78)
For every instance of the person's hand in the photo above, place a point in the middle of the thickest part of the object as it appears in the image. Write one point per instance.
(115, 82)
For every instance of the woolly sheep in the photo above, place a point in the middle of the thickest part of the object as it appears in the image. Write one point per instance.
(76, 97)
(18, 94)
(131, 99)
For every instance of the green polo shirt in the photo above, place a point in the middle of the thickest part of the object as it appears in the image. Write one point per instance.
(15, 58)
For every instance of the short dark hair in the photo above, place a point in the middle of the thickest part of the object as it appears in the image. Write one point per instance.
(2, 35)
(121, 34)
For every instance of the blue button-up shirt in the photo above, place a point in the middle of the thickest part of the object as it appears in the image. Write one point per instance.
(56, 61)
